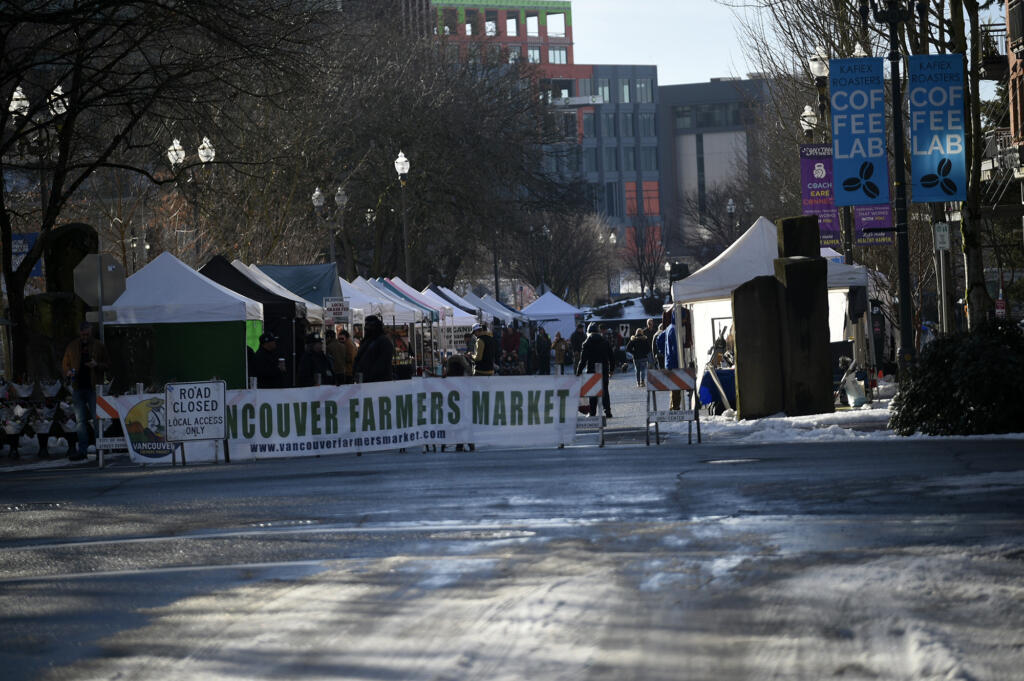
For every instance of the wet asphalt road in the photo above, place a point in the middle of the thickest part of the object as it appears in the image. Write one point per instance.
(110, 573)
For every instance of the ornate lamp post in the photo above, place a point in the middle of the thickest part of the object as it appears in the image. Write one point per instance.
(176, 156)
(340, 200)
(808, 122)
(402, 168)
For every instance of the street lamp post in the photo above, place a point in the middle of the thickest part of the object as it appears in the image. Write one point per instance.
(176, 156)
(730, 208)
(340, 200)
(402, 168)
(895, 14)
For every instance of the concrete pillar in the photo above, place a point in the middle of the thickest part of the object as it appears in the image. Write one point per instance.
(806, 357)
(759, 377)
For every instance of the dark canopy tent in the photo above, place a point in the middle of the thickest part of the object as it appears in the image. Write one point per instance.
(312, 282)
(283, 317)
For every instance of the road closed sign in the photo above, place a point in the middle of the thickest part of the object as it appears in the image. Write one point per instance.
(195, 411)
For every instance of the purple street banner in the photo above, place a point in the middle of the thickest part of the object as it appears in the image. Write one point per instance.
(816, 190)
(871, 218)
(859, 157)
(938, 156)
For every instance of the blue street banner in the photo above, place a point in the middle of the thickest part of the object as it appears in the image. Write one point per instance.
(859, 160)
(21, 244)
(938, 159)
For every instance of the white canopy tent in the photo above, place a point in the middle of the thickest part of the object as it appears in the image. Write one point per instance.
(554, 314)
(490, 306)
(480, 310)
(708, 291)
(167, 291)
(314, 313)
(371, 303)
(401, 311)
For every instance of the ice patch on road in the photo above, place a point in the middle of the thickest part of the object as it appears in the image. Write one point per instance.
(446, 572)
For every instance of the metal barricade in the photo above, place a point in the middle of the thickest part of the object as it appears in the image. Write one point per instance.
(592, 385)
(662, 380)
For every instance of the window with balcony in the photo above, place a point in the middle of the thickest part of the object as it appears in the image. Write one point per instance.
(629, 159)
(624, 91)
(588, 124)
(585, 87)
(611, 159)
(645, 124)
(604, 90)
(558, 55)
(644, 90)
(648, 158)
(627, 126)
(608, 125)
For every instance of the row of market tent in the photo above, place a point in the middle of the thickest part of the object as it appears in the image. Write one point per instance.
(175, 323)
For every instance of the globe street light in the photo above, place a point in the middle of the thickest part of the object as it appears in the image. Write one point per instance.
(340, 200)
(402, 168)
(808, 121)
(176, 156)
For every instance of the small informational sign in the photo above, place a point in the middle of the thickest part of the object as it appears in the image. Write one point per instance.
(110, 443)
(195, 411)
(1000, 307)
(859, 158)
(336, 310)
(938, 150)
(942, 236)
(21, 244)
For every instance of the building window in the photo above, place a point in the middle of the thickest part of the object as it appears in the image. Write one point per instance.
(644, 90)
(604, 90)
(611, 159)
(491, 23)
(588, 124)
(611, 199)
(558, 55)
(627, 126)
(684, 117)
(645, 123)
(556, 25)
(572, 159)
(628, 159)
(515, 53)
(624, 91)
(533, 55)
(585, 87)
(533, 25)
(590, 159)
(648, 158)
(512, 24)
(608, 125)
(569, 124)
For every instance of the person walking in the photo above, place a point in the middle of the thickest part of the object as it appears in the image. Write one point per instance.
(670, 352)
(596, 350)
(374, 357)
(561, 348)
(640, 347)
(542, 346)
(84, 363)
(342, 352)
(485, 351)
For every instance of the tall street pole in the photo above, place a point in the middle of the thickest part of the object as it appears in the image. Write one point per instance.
(405, 234)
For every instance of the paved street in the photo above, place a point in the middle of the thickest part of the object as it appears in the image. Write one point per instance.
(895, 559)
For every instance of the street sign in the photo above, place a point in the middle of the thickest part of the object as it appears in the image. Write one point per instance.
(335, 310)
(1000, 308)
(195, 411)
(942, 236)
(88, 283)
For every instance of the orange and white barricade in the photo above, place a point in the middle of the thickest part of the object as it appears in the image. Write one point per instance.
(592, 385)
(662, 380)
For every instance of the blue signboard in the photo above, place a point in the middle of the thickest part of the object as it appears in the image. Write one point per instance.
(938, 159)
(21, 244)
(859, 161)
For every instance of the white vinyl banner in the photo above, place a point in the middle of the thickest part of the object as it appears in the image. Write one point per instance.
(495, 410)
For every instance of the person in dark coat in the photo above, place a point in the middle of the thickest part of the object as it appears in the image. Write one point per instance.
(576, 343)
(640, 347)
(374, 357)
(315, 367)
(542, 346)
(267, 366)
(596, 350)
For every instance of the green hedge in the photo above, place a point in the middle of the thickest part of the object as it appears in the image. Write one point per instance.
(965, 384)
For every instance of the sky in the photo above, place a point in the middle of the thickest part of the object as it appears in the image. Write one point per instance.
(690, 41)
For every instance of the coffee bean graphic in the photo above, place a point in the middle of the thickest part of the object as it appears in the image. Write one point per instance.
(851, 184)
(871, 189)
(929, 180)
(945, 165)
(948, 186)
(866, 170)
